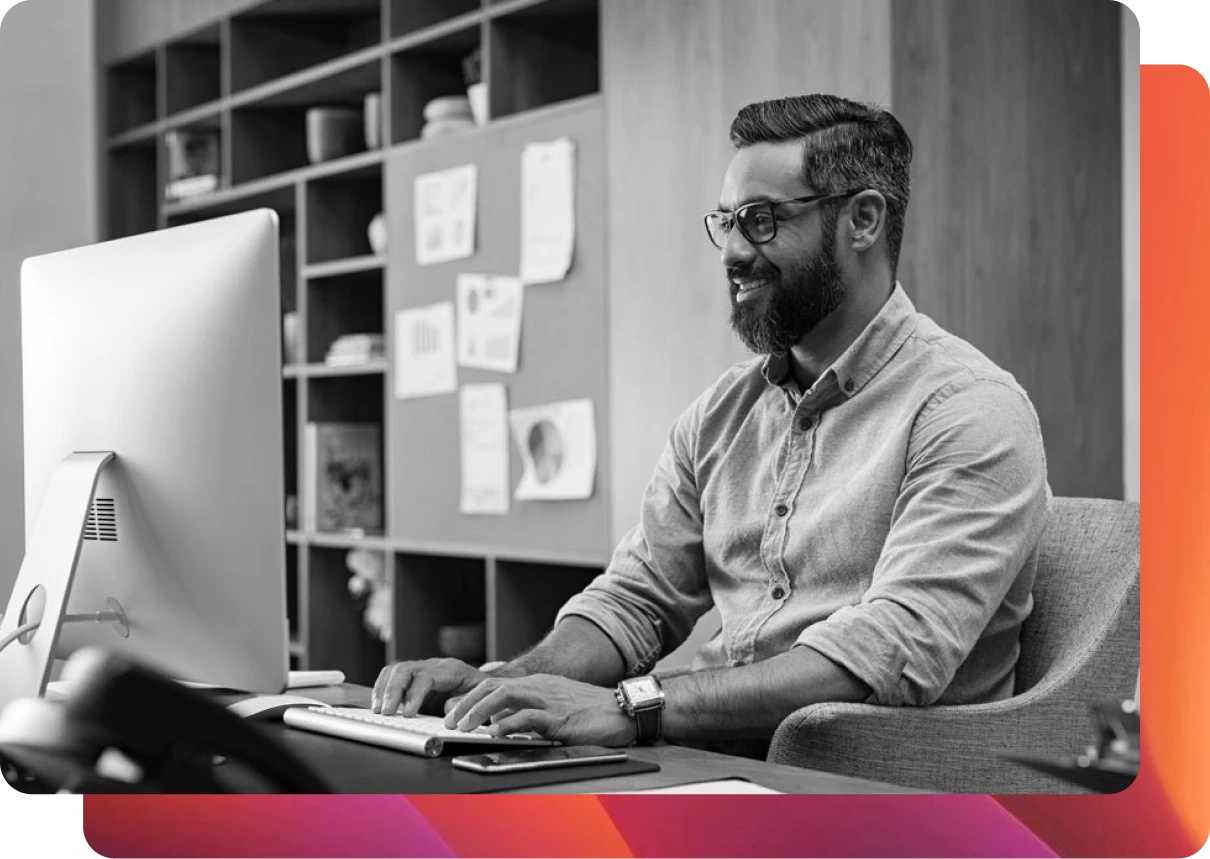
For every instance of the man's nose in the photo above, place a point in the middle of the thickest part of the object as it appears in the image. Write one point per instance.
(737, 251)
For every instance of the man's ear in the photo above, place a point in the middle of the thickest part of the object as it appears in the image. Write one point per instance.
(867, 219)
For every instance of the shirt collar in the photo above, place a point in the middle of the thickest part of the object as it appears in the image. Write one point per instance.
(866, 355)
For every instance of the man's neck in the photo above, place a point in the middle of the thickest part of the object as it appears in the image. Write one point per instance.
(820, 348)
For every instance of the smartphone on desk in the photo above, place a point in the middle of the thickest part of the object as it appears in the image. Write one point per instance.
(520, 760)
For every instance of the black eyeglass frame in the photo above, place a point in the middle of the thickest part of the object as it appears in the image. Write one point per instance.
(772, 207)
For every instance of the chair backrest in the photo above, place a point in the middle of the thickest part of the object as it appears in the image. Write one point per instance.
(1086, 601)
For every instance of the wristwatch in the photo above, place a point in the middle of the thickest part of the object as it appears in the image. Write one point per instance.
(643, 699)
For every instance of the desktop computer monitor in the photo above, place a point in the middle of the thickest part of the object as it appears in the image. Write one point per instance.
(164, 350)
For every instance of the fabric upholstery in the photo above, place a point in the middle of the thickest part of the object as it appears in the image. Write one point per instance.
(1080, 645)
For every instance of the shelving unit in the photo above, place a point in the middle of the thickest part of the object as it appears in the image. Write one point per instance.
(253, 75)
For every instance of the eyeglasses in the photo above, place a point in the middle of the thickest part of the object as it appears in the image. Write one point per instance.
(757, 221)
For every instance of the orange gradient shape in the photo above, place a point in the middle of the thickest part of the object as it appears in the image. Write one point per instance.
(1175, 705)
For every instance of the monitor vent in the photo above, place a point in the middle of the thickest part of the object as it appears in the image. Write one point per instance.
(102, 523)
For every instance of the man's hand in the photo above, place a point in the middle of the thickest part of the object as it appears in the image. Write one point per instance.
(411, 682)
(557, 708)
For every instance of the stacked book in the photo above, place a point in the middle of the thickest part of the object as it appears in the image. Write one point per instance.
(354, 349)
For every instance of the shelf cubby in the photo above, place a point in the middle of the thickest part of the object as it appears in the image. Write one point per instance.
(432, 591)
(192, 134)
(134, 192)
(336, 634)
(408, 16)
(132, 93)
(353, 398)
(269, 136)
(282, 37)
(266, 141)
(339, 211)
(424, 72)
(193, 70)
(524, 598)
(543, 53)
(350, 304)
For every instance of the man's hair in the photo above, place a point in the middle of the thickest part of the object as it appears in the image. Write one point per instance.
(847, 145)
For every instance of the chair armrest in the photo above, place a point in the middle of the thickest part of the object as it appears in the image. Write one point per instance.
(950, 749)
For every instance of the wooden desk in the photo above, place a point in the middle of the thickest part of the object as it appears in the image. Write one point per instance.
(366, 769)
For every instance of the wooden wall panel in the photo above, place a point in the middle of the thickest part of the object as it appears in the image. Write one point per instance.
(1014, 234)
(675, 72)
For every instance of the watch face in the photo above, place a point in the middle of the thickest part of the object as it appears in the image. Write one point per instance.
(641, 690)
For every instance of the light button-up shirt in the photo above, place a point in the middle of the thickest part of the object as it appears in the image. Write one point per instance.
(888, 518)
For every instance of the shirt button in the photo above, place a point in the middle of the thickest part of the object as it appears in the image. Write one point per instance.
(805, 424)
(781, 509)
(778, 593)
(849, 386)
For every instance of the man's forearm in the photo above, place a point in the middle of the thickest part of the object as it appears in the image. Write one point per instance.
(666, 674)
(752, 700)
(575, 648)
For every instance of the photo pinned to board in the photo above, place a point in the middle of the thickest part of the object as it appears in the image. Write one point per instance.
(424, 351)
(548, 210)
(558, 447)
(444, 207)
(483, 431)
(489, 321)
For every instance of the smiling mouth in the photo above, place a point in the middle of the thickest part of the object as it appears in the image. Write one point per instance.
(747, 287)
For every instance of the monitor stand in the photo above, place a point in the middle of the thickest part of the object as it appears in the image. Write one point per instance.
(44, 582)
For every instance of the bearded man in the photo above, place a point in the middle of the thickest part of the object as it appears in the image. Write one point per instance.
(862, 502)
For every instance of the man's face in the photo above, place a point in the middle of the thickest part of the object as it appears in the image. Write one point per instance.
(781, 289)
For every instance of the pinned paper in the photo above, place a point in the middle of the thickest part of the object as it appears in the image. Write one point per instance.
(558, 445)
(489, 321)
(445, 214)
(424, 351)
(548, 210)
(484, 434)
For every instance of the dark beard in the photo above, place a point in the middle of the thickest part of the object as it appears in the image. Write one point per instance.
(798, 299)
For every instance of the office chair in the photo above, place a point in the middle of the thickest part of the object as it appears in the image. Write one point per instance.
(125, 728)
(1079, 647)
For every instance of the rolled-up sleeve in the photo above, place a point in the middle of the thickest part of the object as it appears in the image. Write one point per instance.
(967, 520)
(655, 587)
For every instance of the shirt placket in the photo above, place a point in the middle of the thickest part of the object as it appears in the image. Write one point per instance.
(776, 589)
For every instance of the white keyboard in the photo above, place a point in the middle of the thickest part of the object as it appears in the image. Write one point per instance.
(418, 735)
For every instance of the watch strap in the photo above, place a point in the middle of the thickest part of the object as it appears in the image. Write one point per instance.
(650, 724)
